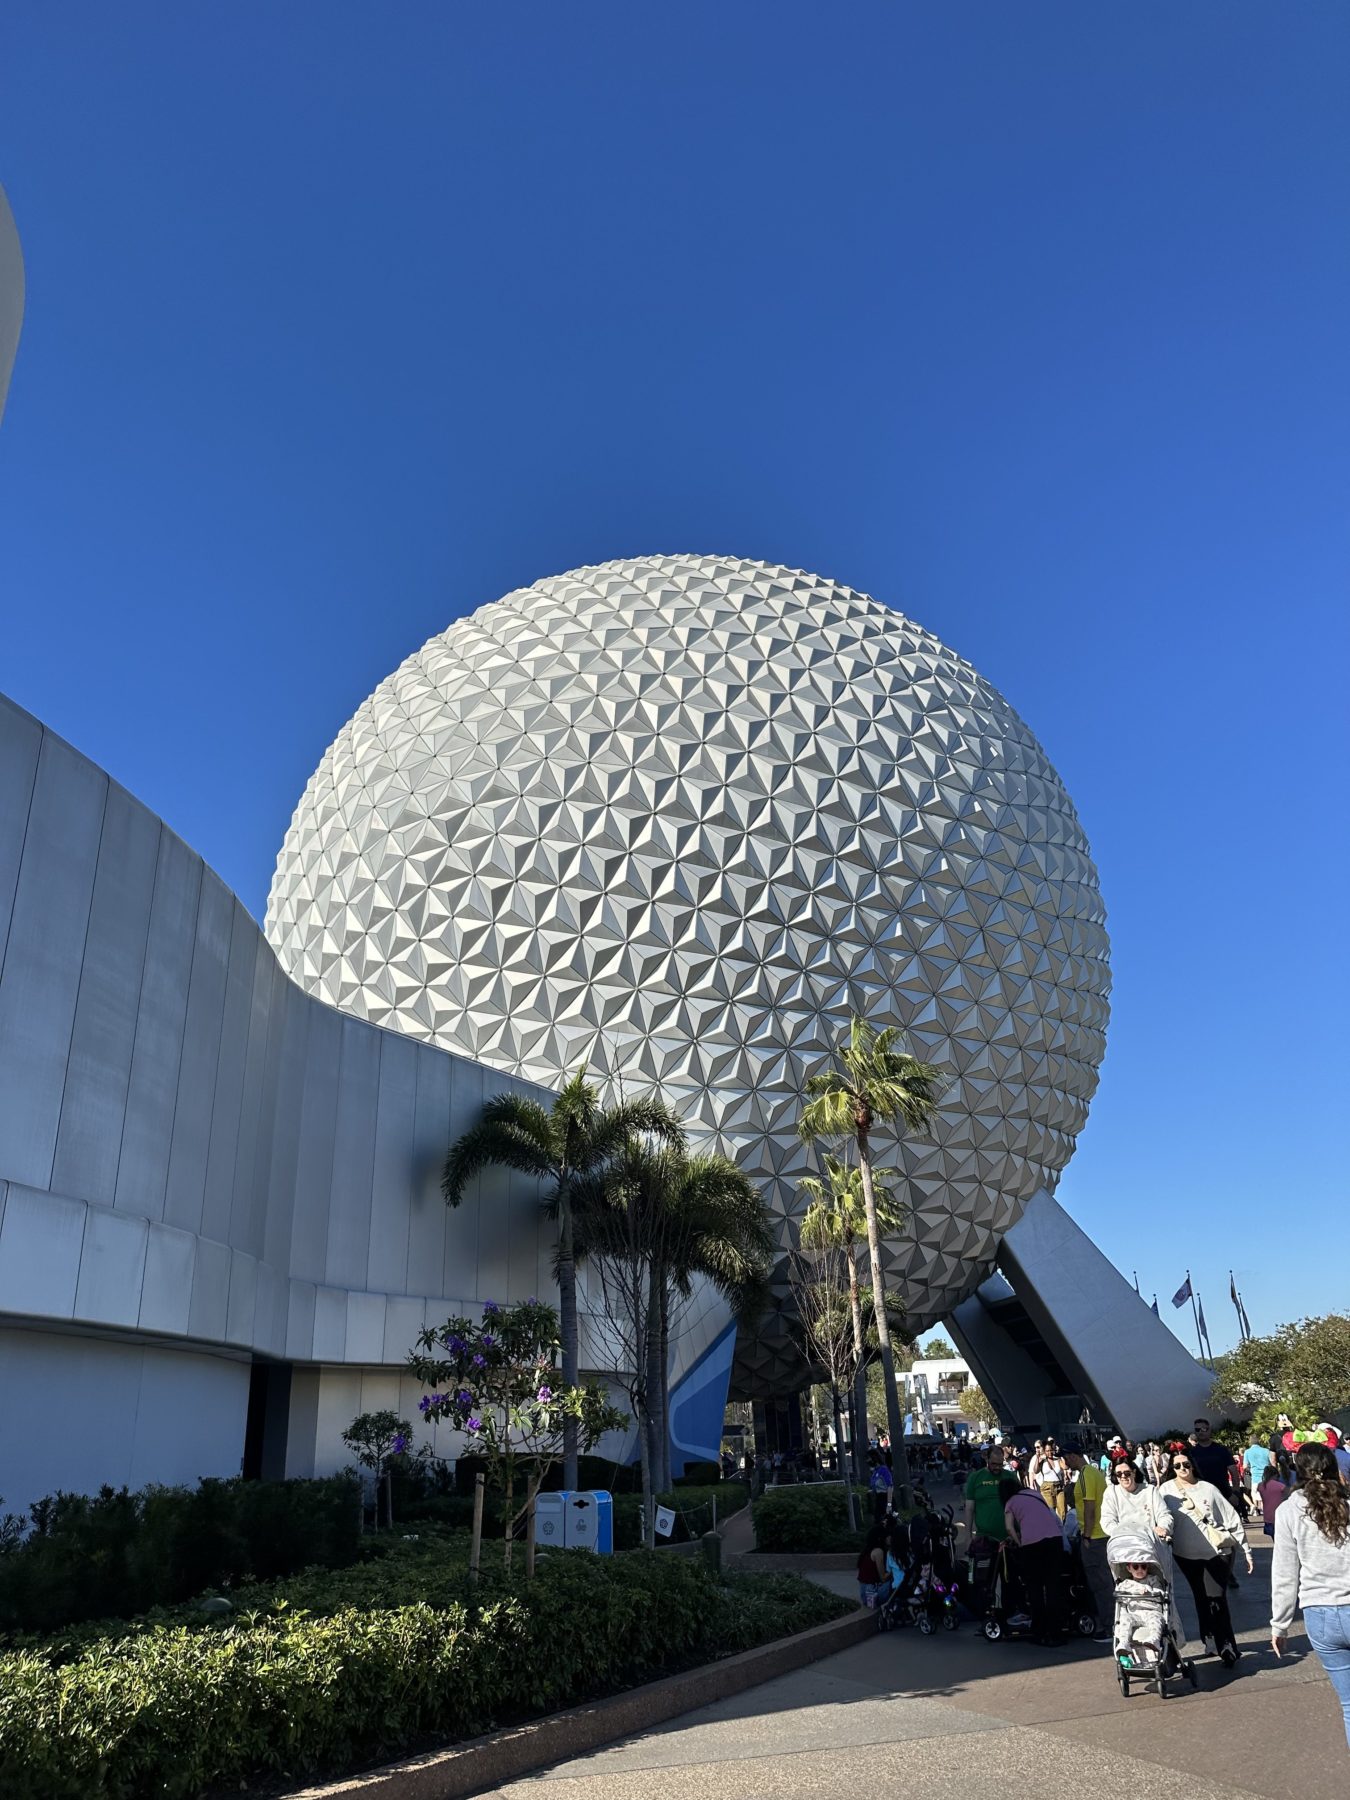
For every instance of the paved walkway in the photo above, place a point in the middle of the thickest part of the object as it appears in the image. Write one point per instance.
(951, 1715)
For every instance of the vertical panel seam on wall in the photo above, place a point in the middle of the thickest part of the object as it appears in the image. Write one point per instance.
(23, 845)
(215, 1090)
(75, 1008)
(136, 1025)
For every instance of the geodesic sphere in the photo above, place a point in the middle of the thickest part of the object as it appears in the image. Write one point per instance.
(677, 819)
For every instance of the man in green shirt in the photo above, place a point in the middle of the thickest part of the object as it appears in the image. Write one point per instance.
(986, 1493)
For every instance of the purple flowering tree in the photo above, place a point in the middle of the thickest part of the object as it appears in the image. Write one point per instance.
(497, 1382)
(374, 1438)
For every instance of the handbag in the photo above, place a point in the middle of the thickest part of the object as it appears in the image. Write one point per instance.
(1220, 1542)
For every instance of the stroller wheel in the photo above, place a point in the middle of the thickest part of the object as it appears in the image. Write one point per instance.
(950, 1621)
(1086, 1624)
(1123, 1678)
(925, 1624)
(1160, 1682)
(993, 1630)
(1191, 1674)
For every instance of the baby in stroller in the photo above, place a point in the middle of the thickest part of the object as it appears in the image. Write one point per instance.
(1145, 1636)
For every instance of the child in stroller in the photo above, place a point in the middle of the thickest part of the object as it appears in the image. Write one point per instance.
(920, 1564)
(1144, 1637)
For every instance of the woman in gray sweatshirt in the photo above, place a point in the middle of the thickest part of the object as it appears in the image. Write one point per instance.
(1312, 1567)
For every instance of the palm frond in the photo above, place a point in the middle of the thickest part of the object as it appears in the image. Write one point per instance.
(503, 1139)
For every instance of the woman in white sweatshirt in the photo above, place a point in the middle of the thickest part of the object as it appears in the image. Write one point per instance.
(1312, 1567)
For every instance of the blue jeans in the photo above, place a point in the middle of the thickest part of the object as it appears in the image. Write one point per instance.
(1328, 1629)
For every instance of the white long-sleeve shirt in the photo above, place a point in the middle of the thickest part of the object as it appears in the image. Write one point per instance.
(1308, 1569)
(1188, 1539)
(1142, 1510)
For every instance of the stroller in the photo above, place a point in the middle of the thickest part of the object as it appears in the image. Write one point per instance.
(926, 1594)
(1144, 1636)
(1006, 1606)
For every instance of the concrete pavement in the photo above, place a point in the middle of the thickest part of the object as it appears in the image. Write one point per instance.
(953, 1715)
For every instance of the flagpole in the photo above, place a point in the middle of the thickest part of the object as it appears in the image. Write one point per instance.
(1195, 1314)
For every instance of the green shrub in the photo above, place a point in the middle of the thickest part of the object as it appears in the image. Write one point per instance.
(117, 1552)
(807, 1518)
(692, 1506)
(289, 1691)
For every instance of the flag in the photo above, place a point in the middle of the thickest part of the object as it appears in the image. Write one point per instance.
(1236, 1298)
(1246, 1322)
(1200, 1314)
(665, 1521)
(1136, 1283)
(1183, 1293)
(1155, 1307)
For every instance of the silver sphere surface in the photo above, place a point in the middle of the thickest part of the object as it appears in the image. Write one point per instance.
(677, 819)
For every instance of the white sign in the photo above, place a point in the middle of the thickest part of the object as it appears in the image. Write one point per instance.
(665, 1521)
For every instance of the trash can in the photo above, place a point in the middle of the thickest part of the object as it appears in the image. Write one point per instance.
(550, 1520)
(589, 1520)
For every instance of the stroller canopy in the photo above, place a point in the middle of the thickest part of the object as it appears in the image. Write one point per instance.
(1135, 1547)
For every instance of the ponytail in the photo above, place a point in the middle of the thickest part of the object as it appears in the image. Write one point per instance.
(1319, 1481)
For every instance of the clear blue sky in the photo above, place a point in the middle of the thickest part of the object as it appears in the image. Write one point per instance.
(1033, 321)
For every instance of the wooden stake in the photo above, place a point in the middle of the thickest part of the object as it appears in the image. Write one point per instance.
(476, 1544)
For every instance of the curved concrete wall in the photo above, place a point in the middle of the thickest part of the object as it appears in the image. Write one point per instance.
(194, 1153)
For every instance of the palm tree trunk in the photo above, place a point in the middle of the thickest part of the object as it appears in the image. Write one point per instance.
(663, 1408)
(894, 1419)
(655, 1421)
(859, 1445)
(839, 1457)
(568, 1329)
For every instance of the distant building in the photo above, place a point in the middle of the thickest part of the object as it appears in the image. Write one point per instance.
(935, 1387)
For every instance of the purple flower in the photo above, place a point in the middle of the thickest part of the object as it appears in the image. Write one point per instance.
(464, 1398)
(488, 1341)
(490, 1309)
(456, 1346)
(473, 1425)
(480, 1362)
(399, 1445)
(424, 1405)
(545, 1393)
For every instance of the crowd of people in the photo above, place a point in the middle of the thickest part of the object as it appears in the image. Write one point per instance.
(1190, 1499)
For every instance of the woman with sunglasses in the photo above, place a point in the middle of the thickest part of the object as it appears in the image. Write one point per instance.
(1131, 1504)
(1206, 1534)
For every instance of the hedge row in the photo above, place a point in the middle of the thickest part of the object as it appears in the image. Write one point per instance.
(808, 1518)
(284, 1694)
(122, 1553)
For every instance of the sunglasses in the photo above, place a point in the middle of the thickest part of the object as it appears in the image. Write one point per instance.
(1126, 1473)
(1179, 1464)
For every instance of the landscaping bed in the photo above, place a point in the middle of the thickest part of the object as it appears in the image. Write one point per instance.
(812, 1517)
(334, 1669)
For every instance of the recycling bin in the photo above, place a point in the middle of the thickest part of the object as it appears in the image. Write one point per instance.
(550, 1520)
(590, 1521)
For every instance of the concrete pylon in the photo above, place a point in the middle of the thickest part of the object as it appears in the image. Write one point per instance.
(1059, 1327)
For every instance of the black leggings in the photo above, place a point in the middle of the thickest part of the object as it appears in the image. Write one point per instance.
(1207, 1578)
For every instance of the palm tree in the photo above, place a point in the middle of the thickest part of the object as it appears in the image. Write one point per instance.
(873, 1083)
(837, 1219)
(718, 1227)
(679, 1217)
(574, 1139)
